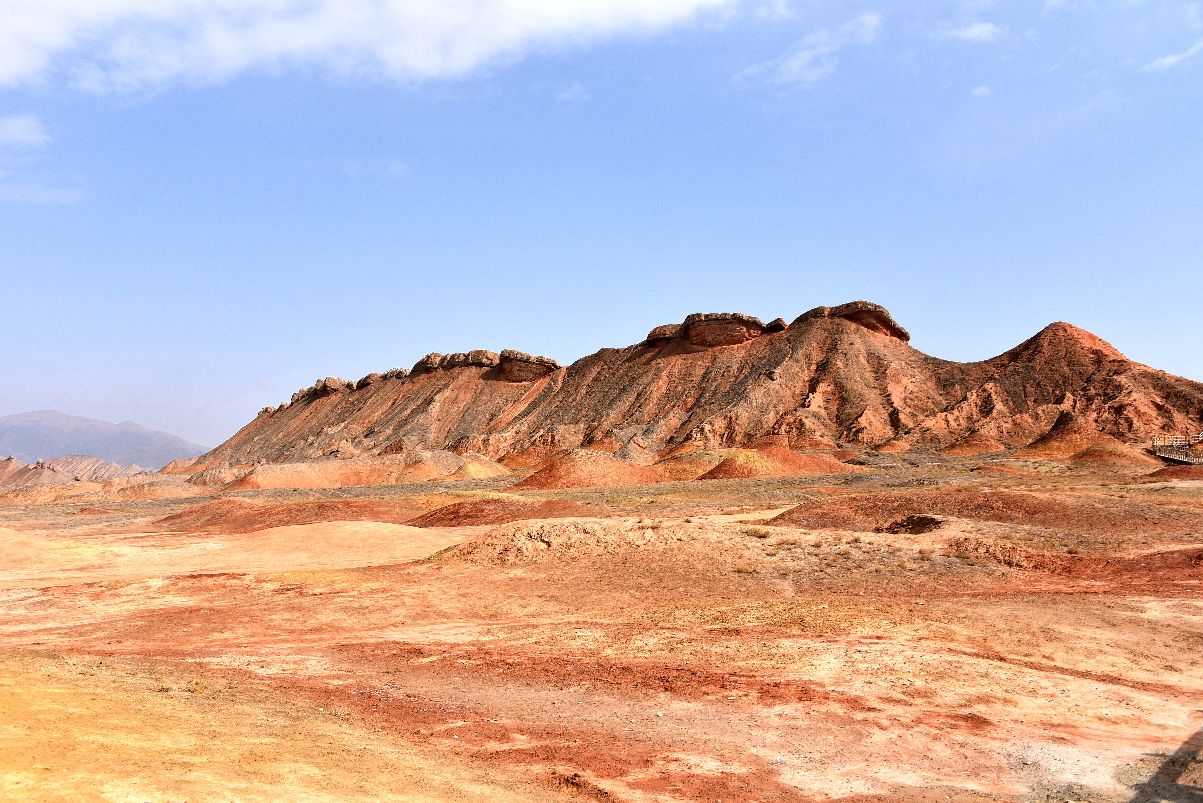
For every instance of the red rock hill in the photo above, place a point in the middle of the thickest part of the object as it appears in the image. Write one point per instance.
(843, 374)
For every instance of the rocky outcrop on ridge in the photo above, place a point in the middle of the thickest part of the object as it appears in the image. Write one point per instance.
(62, 470)
(14, 472)
(873, 317)
(85, 468)
(517, 366)
(721, 329)
(843, 375)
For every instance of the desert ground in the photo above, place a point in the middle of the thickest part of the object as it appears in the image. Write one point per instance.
(908, 627)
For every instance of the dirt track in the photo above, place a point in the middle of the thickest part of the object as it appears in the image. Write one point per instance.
(679, 647)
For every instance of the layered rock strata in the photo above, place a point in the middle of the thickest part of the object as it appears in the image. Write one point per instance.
(836, 375)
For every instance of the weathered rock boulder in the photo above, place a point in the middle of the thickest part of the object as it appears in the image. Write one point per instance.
(431, 362)
(370, 379)
(873, 317)
(710, 329)
(332, 384)
(479, 358)
(518, 366)
(668, 331)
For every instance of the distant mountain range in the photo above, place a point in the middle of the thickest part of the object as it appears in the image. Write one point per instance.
(48, 434)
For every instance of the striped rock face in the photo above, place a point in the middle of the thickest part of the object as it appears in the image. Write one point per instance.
(836, 375)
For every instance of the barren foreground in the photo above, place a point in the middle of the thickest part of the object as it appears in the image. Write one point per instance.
(926, 629)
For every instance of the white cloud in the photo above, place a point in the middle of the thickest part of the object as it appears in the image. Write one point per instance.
(818, 54)
(1174, 59)
(135, 45)
(22, 131)
(573, 93)
(974, 32)
(775, 10)
(981, 91)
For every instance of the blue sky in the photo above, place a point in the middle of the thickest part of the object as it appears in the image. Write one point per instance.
(206, 205)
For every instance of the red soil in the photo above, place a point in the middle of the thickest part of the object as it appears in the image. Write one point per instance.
(1178, 473)
(1119, 455)
(500, 511)
(587, 469)
(870, 511)
(234, 515)
(1176, 564)
(777, 461)
(975, 444)
(1069, 436)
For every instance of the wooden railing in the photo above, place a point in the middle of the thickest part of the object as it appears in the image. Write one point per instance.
(1177, 440)
(1179, 448)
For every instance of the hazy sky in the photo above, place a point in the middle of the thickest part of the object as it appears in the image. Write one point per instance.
(206, 205)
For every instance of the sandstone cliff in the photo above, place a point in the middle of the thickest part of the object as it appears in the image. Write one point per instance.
(836, 375)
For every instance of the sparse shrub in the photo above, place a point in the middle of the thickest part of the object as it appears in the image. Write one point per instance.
(854, 539)
(1073, 550)
(757, 532)
(744, 570)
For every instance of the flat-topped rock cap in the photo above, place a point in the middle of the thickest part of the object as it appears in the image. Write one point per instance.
(873, 317)
(518, 366)
(710, 329)
(444, 362)
(709, 317)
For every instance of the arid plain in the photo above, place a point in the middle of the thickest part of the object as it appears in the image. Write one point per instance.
(866, 583)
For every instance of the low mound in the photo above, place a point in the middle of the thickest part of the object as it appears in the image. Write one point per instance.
(776, 461)
(475, 512)
(618, 543)
(1070, 435)
(1173, 564)
(976, 444)
(1177, 473)
(141, 487)
(691, 465)
(233, 515)
(587, 469)
(407, 467)
(871, 511)
(1113, 455)
(479, 468)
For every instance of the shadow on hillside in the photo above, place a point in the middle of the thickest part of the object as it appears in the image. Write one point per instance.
(1165, 785)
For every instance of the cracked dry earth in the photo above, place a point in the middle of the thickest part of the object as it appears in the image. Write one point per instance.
(683, 643)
